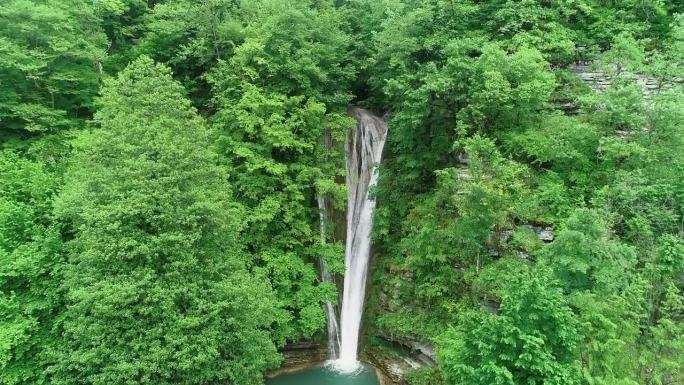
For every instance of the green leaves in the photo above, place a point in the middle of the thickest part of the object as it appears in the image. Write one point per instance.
(156, 280)
(506, 87)
(446, 234)
(49, 73)
(667, 343)
(29, 260)
(585, 258)
(281, 120)
(597, 165)
(532, 339)
(176, 214)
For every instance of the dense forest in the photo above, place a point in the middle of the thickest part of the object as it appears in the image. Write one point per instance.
(160, 163)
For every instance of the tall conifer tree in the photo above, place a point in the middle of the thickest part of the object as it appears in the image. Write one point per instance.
(157, 290)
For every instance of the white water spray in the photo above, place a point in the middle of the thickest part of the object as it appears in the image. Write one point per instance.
(333, 327)
(363, 153)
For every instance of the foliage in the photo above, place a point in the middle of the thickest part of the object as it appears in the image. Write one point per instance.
(599, 165)
(49, 73)
(282, 91)
(532, 339)
(30, 252)
(529, 220)
(191, 37)
(585, 258)
(447, 233)
(156, 283)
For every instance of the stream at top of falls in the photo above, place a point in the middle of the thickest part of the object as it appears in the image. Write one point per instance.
(322, 375)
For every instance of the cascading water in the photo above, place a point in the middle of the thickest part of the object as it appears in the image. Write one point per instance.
(363, 153)
(333, 328)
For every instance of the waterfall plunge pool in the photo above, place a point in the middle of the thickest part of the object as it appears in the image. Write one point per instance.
(322, 375)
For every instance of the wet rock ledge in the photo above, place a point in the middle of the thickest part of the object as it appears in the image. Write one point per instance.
(395, 360)
(300, 355)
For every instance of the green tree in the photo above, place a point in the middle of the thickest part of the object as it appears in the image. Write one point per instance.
(506, 88)
(584, 257)
(542, 25)
(192, 37)
(156, 282)
(610, 329)
(52, 52)
(123, 22)
(283, 91)
(563, 144)
(446, 233)
(663, 346)
(30, 259)
(663, 359)
(625, 54)
(532, 340)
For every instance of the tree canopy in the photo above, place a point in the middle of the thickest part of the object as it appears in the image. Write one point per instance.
(162, 164)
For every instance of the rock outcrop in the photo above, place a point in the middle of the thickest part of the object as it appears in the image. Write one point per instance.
(395, 360)
(300, 355)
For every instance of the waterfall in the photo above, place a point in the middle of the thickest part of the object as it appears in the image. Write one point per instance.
(333, 327)
(363, 150)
